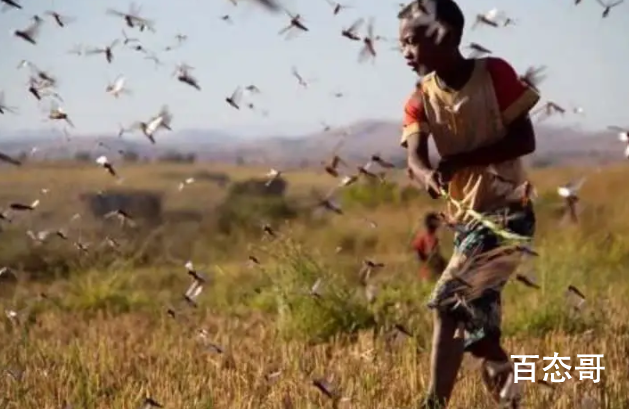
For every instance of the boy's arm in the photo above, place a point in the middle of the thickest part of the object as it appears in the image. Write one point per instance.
(415, 135)
(515, 100)
(417, 155)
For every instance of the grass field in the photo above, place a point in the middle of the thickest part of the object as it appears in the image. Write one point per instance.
(94, 331)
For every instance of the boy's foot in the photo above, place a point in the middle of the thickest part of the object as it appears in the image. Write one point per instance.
(514, 403)
(430, 402)
(510, 395)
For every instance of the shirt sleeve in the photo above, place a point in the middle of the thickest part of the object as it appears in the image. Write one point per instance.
(515, 98)
(415, 119)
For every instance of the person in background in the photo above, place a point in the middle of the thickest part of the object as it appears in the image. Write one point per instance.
(426, 245)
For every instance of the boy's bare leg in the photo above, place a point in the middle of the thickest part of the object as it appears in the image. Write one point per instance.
(495, 366)
(493, 356)
(445, 360)
(447, 350)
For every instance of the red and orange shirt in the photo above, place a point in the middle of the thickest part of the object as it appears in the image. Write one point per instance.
(475, 116)
(427, 245)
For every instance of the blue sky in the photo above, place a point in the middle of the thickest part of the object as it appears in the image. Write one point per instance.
(586, 58)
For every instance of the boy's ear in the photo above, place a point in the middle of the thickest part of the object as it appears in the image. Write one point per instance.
(451, 40)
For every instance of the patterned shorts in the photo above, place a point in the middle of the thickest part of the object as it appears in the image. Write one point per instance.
(470, 241)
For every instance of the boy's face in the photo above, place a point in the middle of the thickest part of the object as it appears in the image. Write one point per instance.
(419, 50)
(434, 225)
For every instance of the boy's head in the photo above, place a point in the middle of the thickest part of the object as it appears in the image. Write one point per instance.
(432, 221)
(422, 51)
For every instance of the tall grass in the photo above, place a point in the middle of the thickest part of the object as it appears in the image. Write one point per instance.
(93, 330)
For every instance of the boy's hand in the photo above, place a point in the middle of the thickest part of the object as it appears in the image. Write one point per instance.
(434, 184)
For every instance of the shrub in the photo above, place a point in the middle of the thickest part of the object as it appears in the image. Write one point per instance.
(340, 311)
(250, 203)
(83, 156)
(174, 156)
(247, 213)
(139, 204)
(372, 194)
(258, 187)
(220, 178)
(94, 292)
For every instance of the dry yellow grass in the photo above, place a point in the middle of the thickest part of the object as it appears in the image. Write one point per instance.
(102, 338)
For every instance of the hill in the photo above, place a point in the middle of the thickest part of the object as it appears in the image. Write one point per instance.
(556, 145)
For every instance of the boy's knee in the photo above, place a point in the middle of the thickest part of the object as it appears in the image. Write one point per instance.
(489, 349)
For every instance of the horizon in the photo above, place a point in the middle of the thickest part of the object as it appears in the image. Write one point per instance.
(373, 92)
(254, 133)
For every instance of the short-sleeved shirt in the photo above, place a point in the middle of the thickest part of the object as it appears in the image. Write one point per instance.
(475, 116)
(425, 244)
(428, 246)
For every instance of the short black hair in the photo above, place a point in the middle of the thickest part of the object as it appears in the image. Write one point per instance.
(430, 219)
(447, 12)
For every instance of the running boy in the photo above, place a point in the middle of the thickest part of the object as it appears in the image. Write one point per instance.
(426, 245)
(477, 113)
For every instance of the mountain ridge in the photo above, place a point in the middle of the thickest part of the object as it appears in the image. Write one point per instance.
(360, 140)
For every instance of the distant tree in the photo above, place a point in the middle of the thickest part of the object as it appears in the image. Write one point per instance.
(240, 161)
(130, 156)
(258, 187)
(542, 162)
(141, 204)
(83, 156)
(250, 201)
(177, 157)
(220, 178)
(190, 158)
